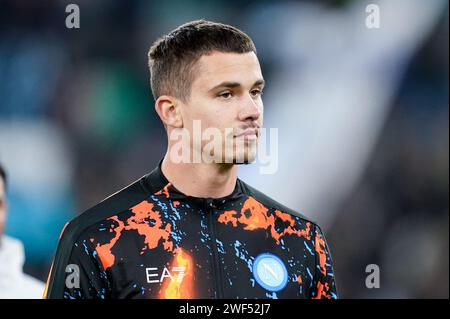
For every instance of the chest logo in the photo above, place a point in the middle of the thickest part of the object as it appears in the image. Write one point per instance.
(154, 276)
(270, 272)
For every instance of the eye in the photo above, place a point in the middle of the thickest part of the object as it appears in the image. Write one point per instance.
(256, 92)
(225, 95)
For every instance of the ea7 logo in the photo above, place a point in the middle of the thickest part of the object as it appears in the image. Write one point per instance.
(152, 273)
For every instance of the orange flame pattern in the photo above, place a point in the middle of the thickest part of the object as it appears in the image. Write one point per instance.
(152, 234)
(181, 285)
(260, 219)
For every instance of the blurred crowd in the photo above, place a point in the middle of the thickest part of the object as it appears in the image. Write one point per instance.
(77, 123)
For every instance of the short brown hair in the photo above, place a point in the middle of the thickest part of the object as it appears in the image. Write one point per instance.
(173, 56)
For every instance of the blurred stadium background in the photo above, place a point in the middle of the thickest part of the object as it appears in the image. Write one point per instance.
(362, 117)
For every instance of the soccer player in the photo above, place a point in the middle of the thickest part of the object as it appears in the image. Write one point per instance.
(14, 283)
(191, 228)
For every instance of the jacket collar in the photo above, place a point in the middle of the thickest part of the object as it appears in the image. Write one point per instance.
(156, 183)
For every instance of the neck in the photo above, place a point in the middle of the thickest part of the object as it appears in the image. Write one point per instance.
(200, 179)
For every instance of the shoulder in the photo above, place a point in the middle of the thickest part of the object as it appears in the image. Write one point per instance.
(273, 204)
(113, 205)
(85, 225)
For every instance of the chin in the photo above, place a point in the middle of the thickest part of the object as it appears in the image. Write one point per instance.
(245, 158)
(244, 155)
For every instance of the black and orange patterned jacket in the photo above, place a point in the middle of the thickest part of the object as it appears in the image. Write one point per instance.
(151, 241)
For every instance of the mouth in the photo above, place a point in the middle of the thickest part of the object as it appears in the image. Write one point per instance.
(248, 134)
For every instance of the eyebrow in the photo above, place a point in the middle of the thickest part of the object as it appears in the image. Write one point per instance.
(232, 85)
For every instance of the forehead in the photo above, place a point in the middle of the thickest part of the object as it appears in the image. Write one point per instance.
(218, 67)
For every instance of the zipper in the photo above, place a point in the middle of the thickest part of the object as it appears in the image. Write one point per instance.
(217, 273)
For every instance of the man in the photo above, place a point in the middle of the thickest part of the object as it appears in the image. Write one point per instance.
(191, 228)
(14, 283)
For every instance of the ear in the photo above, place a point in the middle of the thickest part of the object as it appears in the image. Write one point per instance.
(168, 109)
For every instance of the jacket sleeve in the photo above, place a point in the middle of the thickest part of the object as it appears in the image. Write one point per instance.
(76, 272)
(324, 284)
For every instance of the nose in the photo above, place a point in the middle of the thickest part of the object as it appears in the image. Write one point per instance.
(250, 109)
